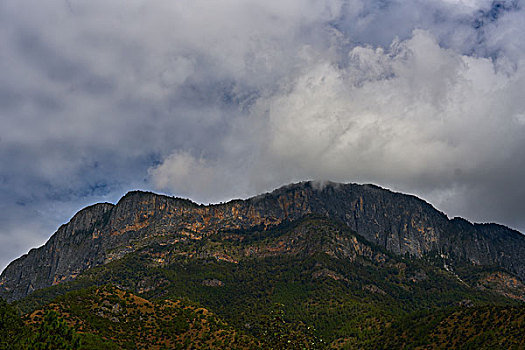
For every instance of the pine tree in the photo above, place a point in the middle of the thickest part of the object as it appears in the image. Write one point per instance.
(12, 329)
(54, 333)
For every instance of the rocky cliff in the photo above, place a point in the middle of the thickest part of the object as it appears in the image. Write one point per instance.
(400, 223)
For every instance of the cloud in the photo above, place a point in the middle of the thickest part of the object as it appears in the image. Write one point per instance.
(415, 116)
(193, 177)
(219, 100)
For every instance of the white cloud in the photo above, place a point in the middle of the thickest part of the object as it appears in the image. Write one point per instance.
(190, 176)
(470, 4)
(416, 117)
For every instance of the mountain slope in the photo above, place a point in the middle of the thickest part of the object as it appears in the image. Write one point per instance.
(486, 327)
(131, 322)
(325, 276)
(400, 223)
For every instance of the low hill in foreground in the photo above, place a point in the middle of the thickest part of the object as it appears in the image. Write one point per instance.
(110, 318)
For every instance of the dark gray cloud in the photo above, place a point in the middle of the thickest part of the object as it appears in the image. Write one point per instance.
(228, 99)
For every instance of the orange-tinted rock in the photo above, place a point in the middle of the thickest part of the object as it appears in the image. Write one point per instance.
(400, 223)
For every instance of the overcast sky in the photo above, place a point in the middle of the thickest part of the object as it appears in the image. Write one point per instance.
(215, 100)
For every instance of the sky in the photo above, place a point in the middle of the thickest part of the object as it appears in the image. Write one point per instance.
(214, 100)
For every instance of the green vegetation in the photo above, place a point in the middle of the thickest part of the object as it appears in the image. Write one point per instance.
(278, 332)
(53, 333)
(110, 318)
(126, 321)
(485, 327)
(12, 329)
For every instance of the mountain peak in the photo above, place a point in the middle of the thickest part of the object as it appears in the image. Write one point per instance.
(402, 224)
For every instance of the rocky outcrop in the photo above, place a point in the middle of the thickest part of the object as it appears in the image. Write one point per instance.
(400, 223)
(71, 250)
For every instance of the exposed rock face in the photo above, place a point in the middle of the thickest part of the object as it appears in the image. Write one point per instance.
(398, 222)
(67, 253)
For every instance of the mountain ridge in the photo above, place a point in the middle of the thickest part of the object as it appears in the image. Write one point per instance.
(402, 224)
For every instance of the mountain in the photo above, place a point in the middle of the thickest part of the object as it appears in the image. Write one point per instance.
(305, 266)
(402, 224)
